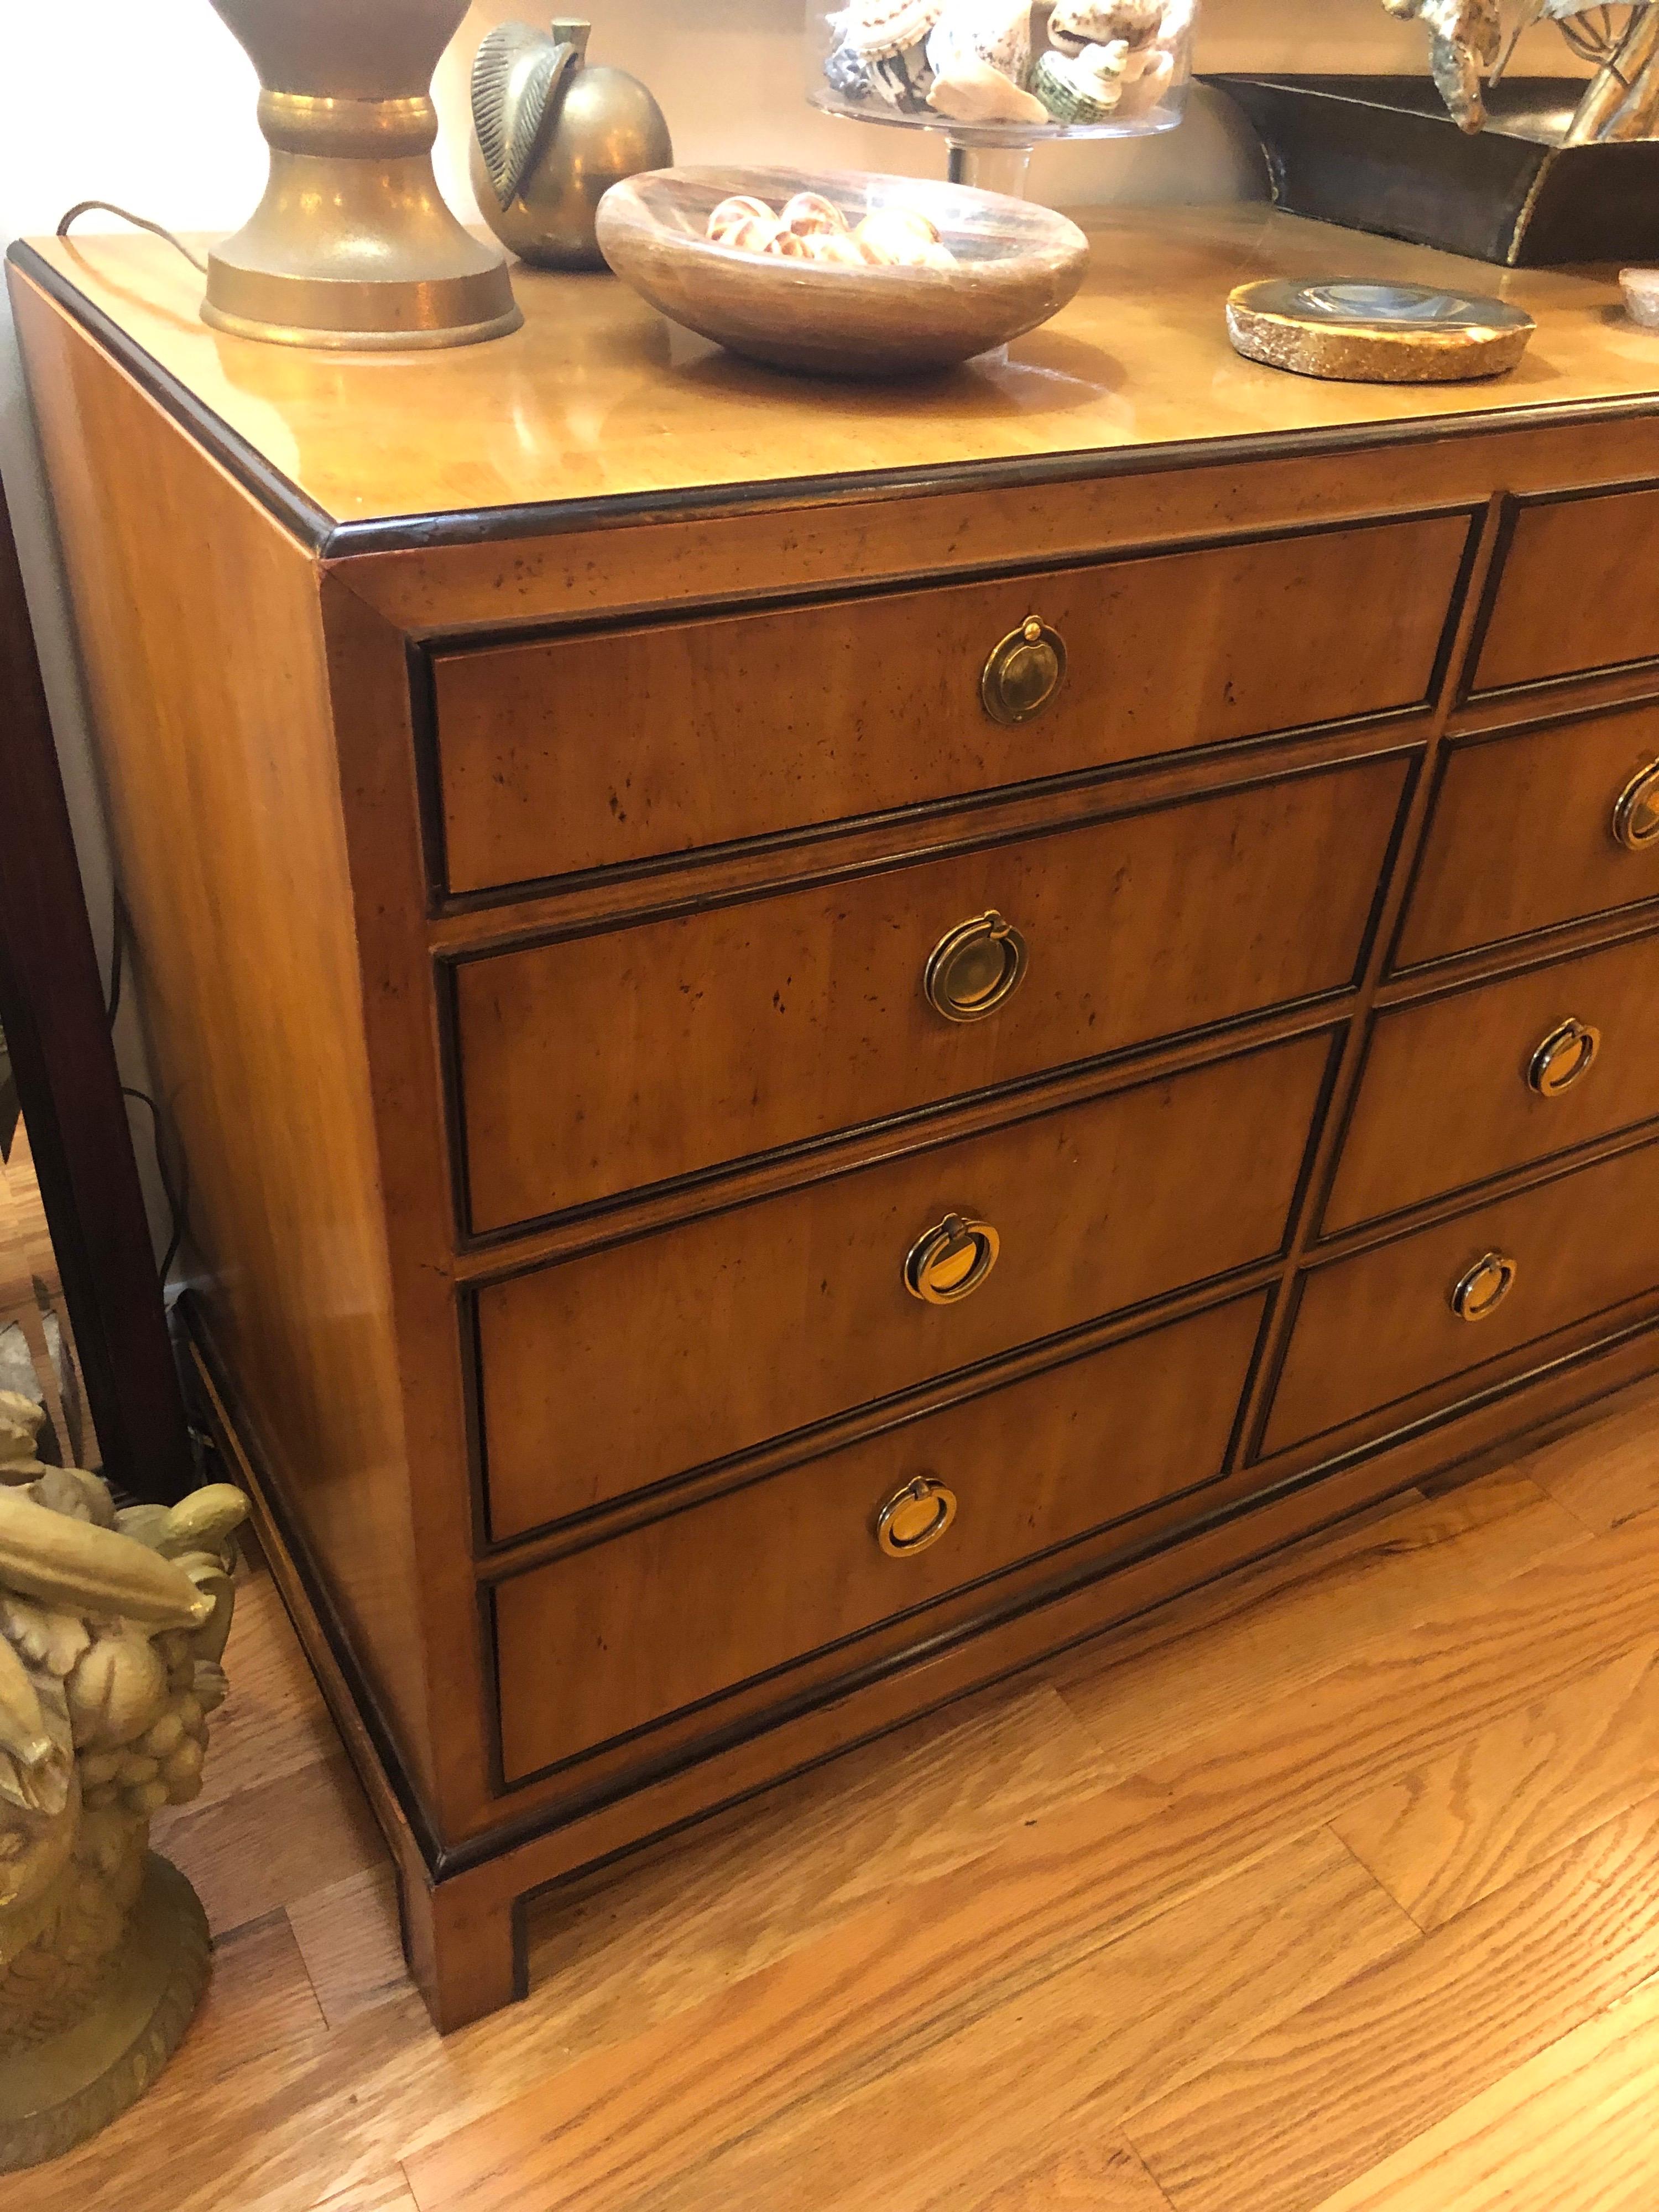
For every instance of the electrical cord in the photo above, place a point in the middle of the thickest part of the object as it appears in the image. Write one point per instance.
(138, 222)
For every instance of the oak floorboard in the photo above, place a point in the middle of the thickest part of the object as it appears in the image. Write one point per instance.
(742, 1890)
(1194, 1666)
(1449, 1833)
(389, 2192)
(1093, 2176)
(1316, 2101)
(817, 2112)
(1607, 1472)
(347, 1937)
(1570, 2132)
(254, 1852)
(276, 1722)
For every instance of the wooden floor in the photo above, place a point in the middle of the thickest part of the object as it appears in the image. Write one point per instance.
(38, 1357)
(1334, 1886)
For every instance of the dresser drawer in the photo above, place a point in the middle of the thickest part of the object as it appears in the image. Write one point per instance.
(1374, 1328)
(603, 1063)
(1576, 590)
(608, 746)
(610, 1372)
(1531, 830)
(774, 1572)
(1485, 1080)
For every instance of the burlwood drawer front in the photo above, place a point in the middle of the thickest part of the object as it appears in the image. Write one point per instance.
(1576, 591)
(1376, 1327)
(776, 1572)
(1531, 830)
(608, 1373)
(1469, 1086)
(611, 746)
(606, 1063)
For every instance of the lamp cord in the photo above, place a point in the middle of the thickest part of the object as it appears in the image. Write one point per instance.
(138, 222)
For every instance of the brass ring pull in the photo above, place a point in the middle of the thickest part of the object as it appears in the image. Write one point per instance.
(949, 1263)
(1636, 815)
(915, 1518)
(975, 969)
(1479, 1292)
(1024, 670)
(1565, 1057)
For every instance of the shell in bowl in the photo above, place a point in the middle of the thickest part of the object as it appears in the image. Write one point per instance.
(1011, 265)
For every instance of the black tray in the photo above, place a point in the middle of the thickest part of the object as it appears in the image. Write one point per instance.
(1380, 153)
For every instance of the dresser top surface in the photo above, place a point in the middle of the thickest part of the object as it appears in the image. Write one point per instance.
(599, 401)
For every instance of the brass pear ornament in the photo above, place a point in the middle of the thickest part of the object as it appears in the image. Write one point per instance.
(552, 135)
(353, 245)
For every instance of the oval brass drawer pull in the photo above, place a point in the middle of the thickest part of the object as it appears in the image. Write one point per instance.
(1636, 816)
(1565, 1057)
(1024, 670)
(915, 1518)
(949, 1262)
(1479, 1292)
(975, 969)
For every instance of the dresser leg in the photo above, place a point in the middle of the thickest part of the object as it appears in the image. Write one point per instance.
(466, 1947)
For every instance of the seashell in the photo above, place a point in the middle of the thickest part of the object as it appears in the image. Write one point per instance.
(1145, 82)
(904, 81)
(754, 234)
(1076, 24)
(938, 256)
(883, 30)
(809, 215)
(994, 32)
(1081, 88)
(892, 237)
(846, 74)
(785, 245)
(923, 225)
(969, 90)
(835, 249)
(732, 214)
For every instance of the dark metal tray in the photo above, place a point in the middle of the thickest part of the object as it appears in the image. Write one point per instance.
(1380, 153)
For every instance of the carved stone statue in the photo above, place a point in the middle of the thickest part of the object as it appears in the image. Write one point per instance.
(112, 1628)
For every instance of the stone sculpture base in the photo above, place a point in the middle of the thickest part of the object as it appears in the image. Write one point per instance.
(58, 2094)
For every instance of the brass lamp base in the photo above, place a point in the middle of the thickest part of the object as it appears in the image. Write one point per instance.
(353, 246)
(58, 2093)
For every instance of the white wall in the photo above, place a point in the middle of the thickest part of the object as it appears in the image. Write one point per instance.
(151, 105)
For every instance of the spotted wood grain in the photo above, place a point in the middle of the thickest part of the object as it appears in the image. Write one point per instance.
(1314, 2102)
(1570, 2132)
(1448, 1834)
(837, 2096)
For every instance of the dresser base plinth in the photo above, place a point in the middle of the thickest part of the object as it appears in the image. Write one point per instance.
(462, 1908)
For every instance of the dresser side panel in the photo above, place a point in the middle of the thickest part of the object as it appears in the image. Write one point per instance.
(202, 648)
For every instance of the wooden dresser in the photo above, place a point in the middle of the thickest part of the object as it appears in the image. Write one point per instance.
(830, 1037)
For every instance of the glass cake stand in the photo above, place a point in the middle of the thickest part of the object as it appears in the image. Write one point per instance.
(995, 78)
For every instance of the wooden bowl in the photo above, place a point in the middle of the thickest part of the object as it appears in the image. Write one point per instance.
(1018, 264)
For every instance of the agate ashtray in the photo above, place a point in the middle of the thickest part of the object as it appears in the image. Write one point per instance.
(1366, 333)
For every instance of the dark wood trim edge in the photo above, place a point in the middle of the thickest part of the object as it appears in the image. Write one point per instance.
(277, 493)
